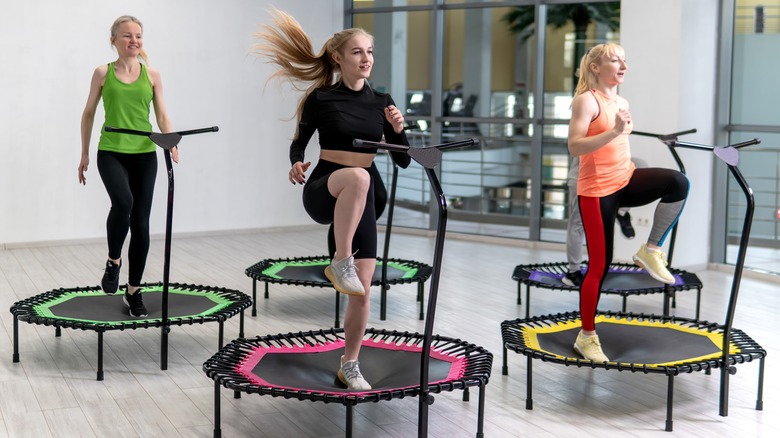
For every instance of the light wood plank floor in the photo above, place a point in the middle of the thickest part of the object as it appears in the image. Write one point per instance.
(53, 391)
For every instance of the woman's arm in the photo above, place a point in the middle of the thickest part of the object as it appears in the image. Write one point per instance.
(160, 111)
(584, 110)
(88, 118)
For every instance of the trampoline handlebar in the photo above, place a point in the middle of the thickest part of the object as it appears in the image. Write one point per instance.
(402, 148)
(664, 137)
(135, 132)
(683, 144)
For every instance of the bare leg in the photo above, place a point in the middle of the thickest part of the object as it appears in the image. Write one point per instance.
(358, 308)
(349, 186)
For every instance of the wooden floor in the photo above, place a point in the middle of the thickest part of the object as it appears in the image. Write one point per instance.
(53, 391)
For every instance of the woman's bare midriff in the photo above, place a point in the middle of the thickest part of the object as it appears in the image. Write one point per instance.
(346, 158)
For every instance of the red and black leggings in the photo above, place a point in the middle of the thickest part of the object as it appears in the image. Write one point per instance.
(598, 218)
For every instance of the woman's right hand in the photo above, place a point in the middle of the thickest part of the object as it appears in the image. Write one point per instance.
(297, 173)
(83, 165)
(623, 122)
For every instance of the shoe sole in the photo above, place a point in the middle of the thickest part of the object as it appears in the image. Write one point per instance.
(568, 282)
(332, 280)
(652, 273)
(130, 312)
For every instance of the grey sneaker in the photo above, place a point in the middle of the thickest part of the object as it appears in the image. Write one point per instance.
(349, 374)
(343, 275)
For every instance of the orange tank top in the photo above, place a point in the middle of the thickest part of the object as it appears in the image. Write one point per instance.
(607, 169)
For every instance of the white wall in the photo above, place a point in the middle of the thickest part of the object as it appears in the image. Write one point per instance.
(671, 49)
(233, 179)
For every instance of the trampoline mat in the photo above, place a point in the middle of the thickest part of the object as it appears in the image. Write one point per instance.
(98, 307)
(314, 367)
(315, 271)
(616, 279)
(631, 341)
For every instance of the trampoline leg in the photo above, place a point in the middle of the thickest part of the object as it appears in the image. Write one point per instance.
(338, 309)
(760, 397)
(519, 293)
(16, 340)
(466, 394)
(217, 416)
(528, 301)
(57, 332)
(667, 300)
(383, 302)
(421, 299)
(505, 364)
(236, 394)
(698, 301)
(221, 334)
(724, 391)
(481, 412)
(100, 357)
(241, 325)
(348, 426)
(669, 401)
(625, 303)
(529, 402)
(254, 297)
(267, 295)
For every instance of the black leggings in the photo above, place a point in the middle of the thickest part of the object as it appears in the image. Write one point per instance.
(129, 180)
(320, 205)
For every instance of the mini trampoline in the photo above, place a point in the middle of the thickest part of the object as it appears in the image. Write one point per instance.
(648, 343)
(622, 279)
(88, 308)
(309, 271)
(91, 309)
(399, 364)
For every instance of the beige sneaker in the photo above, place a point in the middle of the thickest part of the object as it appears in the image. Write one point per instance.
(343, 276)
(654, 262)
(350, 375)
(590, 348)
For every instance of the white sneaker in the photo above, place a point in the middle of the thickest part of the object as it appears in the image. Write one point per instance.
(343, 275)
(350, 375)
(590, 348)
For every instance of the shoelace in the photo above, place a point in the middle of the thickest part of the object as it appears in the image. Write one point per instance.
(349, 270)
(351, 371)
(660, 255)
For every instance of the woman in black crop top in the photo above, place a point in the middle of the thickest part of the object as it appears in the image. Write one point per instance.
(344, 189)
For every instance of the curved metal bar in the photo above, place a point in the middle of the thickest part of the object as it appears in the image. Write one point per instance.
(166, 141)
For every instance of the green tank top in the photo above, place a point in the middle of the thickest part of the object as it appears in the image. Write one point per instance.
(126, 106)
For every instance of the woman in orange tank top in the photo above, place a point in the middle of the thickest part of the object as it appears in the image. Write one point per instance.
(608, 180)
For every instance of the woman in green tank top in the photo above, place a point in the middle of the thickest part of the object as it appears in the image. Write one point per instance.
(127, 164)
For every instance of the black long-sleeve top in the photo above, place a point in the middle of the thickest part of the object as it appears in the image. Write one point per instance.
(341, 115)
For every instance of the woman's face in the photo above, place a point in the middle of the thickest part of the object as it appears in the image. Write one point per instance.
(129, 39)
(612, 69)
(356, 58)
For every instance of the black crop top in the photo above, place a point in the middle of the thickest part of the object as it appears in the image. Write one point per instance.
(341, 115)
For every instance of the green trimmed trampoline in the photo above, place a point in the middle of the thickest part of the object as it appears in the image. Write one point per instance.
(169, 304)
(89, 308)
(310, 272)
(642, 343)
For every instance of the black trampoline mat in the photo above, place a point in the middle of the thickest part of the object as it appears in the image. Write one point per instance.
(384, 368)
(316, 273)
(99, 307)
(636, 343)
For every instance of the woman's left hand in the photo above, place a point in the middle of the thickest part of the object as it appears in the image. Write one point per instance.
(394, 116)
(175, 154)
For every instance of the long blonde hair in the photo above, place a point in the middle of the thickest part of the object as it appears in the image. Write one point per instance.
(594, 55)
(115, 30)
(287, 45)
